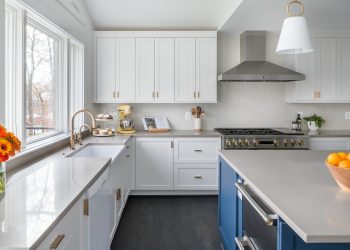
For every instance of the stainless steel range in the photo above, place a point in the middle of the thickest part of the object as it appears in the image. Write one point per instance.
(262, 138)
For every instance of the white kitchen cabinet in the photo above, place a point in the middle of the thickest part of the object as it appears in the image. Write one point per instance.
(105, 69)
(115, 70)
(145, 68)
(196, 176)
(196, 150)
(330, 143)
(327, 73)
(185, 70)
(206, 70)
(343, 69)
(125, 70)
(154, 163)
(69, 233)
(164, 70)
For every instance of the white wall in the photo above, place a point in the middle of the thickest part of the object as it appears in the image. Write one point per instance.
(81, 30)
(244, 104)
(2, 66)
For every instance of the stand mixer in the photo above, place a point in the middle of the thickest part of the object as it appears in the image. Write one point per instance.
(126, 125)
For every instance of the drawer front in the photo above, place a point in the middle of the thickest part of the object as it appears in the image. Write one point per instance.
(196, 150)
(195, 177)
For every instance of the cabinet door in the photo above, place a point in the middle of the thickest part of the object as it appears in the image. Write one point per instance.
(343, 65)
(306, 90)
(154, 164)
(185, 69)
(71, 231)
(105, 70)
(145, 70)
(206, 72)
(327, 74)
(164, 70)
(125, 69)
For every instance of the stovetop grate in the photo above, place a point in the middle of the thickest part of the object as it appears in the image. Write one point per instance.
(250, 131)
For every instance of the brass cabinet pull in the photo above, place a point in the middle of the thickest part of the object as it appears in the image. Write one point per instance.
(56, 242)
(198, 95)
(157, 94)
(117, 94)
(113, 94)
(86, 207)
(315, 94)
(198, 177)
(319, 94)
(153, 94)
(118, 194)
(194, 94)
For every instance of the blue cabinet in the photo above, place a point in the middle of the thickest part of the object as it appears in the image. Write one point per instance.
(230, 221)
(231, 214)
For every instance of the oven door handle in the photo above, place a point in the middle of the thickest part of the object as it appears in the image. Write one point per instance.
(243, 243)
(270, 219)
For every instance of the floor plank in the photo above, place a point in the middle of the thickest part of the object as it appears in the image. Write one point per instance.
(168, 223)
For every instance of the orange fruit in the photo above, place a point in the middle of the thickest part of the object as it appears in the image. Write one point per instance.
(343, 155)
(348, 156)
(344, 164)
(334, 159)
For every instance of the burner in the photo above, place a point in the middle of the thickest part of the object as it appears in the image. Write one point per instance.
(248, 131)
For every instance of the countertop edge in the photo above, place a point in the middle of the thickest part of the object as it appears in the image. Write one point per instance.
(69, 206)
(294, 227)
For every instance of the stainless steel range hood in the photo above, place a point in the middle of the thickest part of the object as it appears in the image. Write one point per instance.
(254, 67)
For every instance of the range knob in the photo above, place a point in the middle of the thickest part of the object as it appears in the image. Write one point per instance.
(255, 143)
(285, 142)
(247, 142)
(275, 142)
(300, 142)
(240, 142)
(228, 143)
(234, 142)
(292, 142)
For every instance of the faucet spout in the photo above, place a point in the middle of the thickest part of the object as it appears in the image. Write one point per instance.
(72, 134)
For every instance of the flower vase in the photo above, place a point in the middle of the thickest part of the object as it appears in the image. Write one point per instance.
(2, 180)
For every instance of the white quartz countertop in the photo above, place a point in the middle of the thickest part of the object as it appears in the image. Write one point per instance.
(299, 188)
(38, 196)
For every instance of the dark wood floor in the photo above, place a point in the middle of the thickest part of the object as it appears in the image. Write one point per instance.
(168, 223)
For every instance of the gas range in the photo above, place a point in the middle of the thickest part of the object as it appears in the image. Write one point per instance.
(262, 138)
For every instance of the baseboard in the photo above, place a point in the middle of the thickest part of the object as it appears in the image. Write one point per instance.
(173, 192)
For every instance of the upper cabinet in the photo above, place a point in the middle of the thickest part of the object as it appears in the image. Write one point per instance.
(327, 73)
(155, 67)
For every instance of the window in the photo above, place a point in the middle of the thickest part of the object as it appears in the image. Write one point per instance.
(44, 75)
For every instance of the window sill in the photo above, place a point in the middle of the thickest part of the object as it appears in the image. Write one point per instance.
(37, 150)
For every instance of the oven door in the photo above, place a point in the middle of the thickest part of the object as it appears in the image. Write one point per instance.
(259, 222)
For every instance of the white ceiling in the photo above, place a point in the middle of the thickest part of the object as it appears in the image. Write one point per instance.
(322, 15)
(160, 14)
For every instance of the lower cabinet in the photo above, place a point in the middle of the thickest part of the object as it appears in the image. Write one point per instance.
(154, 163)
(330, 143)
(231, 218)
(195, 176)
(69, 233)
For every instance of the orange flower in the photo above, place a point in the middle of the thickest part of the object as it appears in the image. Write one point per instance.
(3, 131)
(16, 143)
(5, 147)
(4, 158)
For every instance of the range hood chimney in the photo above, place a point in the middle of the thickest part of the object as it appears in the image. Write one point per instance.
(254, 67)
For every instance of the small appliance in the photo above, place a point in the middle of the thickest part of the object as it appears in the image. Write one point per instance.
(126, 124)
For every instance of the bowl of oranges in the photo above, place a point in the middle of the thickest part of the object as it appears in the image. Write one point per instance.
(339, 166)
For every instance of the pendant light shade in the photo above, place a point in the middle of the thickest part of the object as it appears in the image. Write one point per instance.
(295, 36)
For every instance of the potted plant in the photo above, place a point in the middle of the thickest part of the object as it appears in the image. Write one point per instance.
(9, 145)
(314, 122)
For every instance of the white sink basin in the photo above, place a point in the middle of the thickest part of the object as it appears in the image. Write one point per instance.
(98, 151)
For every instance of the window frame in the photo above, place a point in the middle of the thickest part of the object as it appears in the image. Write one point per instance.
(15, 116)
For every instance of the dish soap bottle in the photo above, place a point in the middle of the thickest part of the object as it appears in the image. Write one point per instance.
(298, 121)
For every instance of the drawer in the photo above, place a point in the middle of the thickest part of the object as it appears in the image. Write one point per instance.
(196, 150)
(195, 177)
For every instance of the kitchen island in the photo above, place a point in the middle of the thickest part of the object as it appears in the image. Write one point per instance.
(312, 211)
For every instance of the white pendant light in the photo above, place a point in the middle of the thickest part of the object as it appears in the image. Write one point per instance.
(295, 36)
